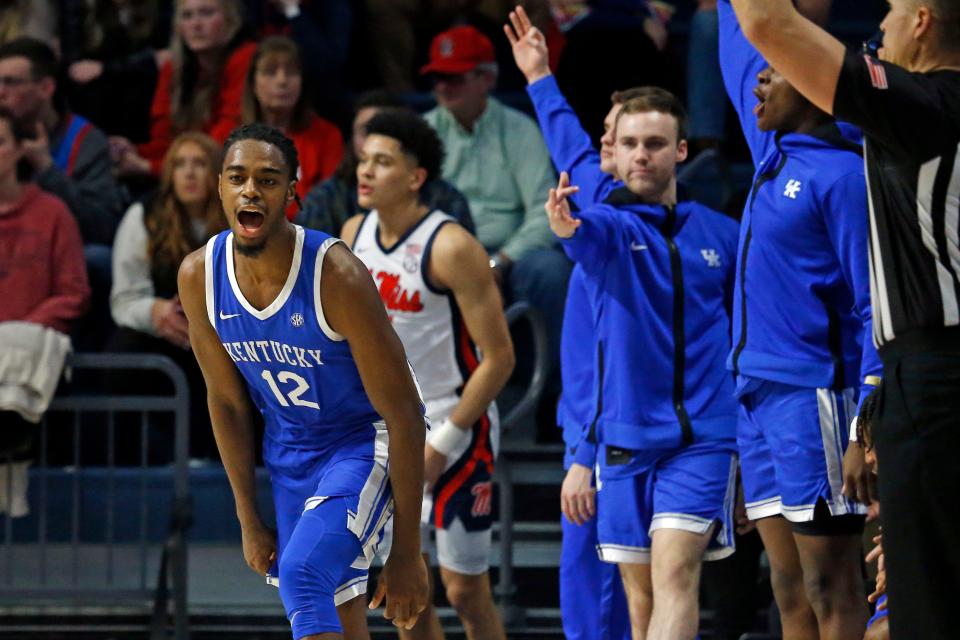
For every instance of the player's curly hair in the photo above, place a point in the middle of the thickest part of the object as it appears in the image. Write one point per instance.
(270, 135)
(416, 137)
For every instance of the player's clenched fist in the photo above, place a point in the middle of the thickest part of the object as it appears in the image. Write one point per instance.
(259, 547)
(562, 223)
(403, 582)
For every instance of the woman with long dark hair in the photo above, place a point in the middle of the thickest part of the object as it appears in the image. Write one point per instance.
(275, 94)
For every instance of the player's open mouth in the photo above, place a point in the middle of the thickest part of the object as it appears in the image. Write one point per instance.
(250, 219)
(761, 103)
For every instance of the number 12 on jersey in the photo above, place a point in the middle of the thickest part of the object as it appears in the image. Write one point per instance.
(294, 394)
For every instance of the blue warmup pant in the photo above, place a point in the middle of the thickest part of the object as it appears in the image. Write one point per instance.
(593, 605)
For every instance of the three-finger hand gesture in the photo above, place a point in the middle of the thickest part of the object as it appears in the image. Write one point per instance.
(562, 223)
(529, 46)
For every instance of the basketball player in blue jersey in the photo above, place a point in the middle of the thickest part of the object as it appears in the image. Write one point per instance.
(289, 320)
(443, 302)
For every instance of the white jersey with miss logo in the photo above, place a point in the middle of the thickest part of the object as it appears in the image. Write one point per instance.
(443, 355)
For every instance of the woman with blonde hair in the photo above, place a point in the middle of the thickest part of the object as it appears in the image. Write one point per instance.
(151, 242)
(275, 95)
(199, 88)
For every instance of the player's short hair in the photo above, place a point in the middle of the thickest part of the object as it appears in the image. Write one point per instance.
(416, 137)
(626, 95)
(649, 99)
(270, 135)
(43, 60)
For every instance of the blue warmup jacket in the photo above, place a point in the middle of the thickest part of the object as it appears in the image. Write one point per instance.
(572, 151)
(801, 312)
(658, 280)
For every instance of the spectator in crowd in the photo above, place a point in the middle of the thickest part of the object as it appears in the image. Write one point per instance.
(44, 288)
(496, 157)
(199, 89)
(114, 43)
(334, 201)
(152, 241)
(705, 93)
(69, 157)
(321, 28)
(42, 274)
(28, 18)
(275, 95)
(395, 27)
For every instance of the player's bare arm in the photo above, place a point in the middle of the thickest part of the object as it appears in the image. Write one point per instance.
(348, 233)
(789, 41)
(230, 413)
(353, 309)
(459, 263)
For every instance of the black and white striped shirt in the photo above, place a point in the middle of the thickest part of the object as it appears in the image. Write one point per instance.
(911, 123)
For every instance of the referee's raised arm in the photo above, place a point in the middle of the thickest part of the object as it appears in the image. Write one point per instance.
(907, 103)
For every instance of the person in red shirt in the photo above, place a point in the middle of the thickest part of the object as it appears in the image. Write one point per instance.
(43, 277)
(199, 89)
(274, 95)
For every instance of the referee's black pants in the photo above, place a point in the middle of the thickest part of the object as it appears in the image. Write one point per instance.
(917, 435)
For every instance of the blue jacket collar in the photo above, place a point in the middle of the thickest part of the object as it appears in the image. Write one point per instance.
(832, 135)
(658, 214)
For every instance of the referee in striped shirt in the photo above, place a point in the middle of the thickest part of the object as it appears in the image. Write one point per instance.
(908, 105)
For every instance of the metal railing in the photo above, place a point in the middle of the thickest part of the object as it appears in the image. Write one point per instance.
(81, 544)
(520, 411)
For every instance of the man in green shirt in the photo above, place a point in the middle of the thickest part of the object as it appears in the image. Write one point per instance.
(497, 158)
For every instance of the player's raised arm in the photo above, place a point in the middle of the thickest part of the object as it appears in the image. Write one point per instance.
(789, 41)
(354, 310)
(230, 413)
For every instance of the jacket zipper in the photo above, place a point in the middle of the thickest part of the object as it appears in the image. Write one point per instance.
(759, 182)
(679, 334)
(592, 434)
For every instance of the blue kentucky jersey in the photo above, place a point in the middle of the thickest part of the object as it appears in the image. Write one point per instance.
(300, 373)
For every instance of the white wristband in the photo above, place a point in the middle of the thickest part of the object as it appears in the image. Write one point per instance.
(447, 436)
(853, 429)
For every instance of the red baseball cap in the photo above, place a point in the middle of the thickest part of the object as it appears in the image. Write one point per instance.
(459, 50)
